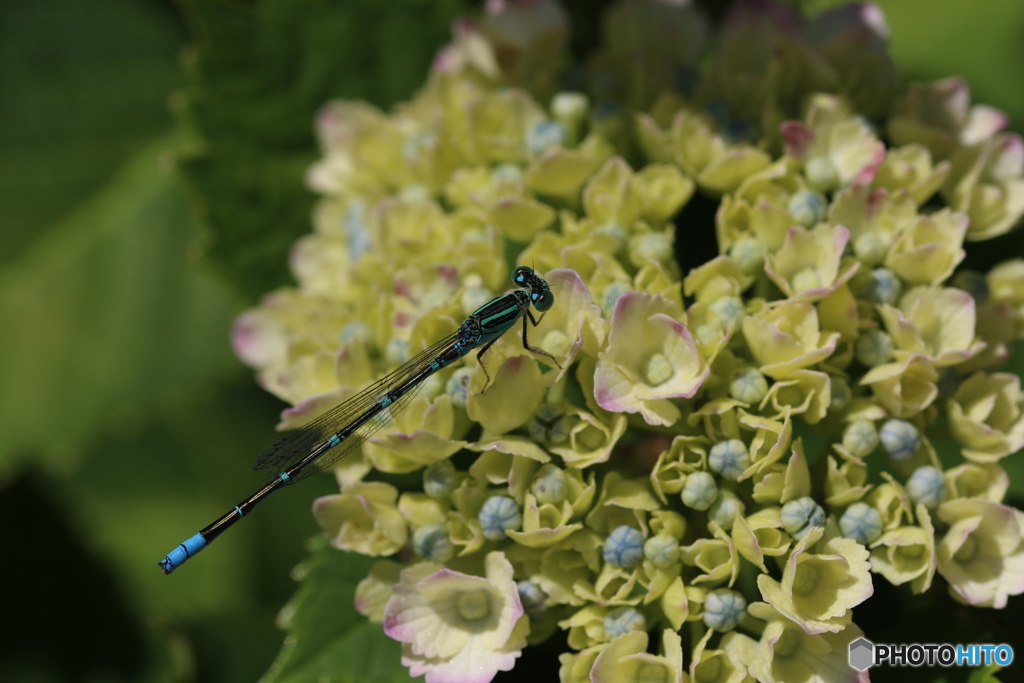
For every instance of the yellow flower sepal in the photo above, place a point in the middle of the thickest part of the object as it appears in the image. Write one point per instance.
(907, 553)
(771, 442)
(801, 392)
(891, 501)
(511, 399)
(363, 518)
(845, 484)
(544, 525)
(686, 454)
(928, 251)
(419, 509)
(372, 593)
(622, 501)
(760, 534)
(986, 415)
(910, 167)
(819, 591)
(937, 322)
(716, 557)
(591, 439)
(625, 658)
(786, 337)
(972, 480)
(421, 437)
(905, 387)
(809, 265)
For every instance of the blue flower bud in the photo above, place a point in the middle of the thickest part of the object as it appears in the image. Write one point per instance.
(749, 386)
(535, 602)
(874, 347)
(729, 310)
(807, 207)
(661, 550)
(545, 135)
(624, 547)
(623, 620)
(899, 439)
(458, 386)
(841, 393)
(612, 291)
(549, 424)
(498, 515)
(862, 523)
(724, 509)
(439, 479)
(432, 542)
(860, 438)
(748, 253)
(974, 283)
(549, 485)
(729, 458)
(699, 491)
(882, 287)
(927, 486)
(798, 516)
(724, 609)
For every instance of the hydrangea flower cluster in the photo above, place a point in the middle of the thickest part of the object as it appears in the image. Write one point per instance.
(619, 496)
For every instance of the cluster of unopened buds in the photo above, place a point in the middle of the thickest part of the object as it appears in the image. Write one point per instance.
(769, 414)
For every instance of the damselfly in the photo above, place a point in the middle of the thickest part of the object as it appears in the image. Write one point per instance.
(331, 436)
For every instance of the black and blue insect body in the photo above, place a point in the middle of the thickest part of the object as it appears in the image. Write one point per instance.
(340, 430)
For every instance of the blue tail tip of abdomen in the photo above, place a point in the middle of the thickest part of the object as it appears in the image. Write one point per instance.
(179, 555)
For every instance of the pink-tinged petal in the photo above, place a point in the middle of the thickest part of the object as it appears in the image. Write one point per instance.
(797, 136)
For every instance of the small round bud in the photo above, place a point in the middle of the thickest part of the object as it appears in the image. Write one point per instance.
(549, 485)
(624, 547)
(544, 135)
(439, 479)
(661, 550)
(659, 370)
(799, 515)
(882, 286)
(722, 512)
(729, 458)
(724, 609)
(623, 620)
(821, 174)
(899, 439)
(699, 491)
(749, 386)
(841, 393)
(805, 279)
(654, 246)
(535, 602)
(860, 438)
(549, 424)
(974, 283)
(431, 541)
(874, 347)
(927, 486)
(498, 515)
(869, 249)
(458, 386)
(570, 108)
(862, 523)
(612, 291)
(807, 208)
(748, 253)
(729, 310)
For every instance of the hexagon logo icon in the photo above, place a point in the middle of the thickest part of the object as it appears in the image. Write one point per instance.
(862, 654)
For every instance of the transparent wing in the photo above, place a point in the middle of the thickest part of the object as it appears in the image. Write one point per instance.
(292, 448)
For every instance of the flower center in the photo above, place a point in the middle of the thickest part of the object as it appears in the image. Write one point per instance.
(807, 278)
(967, 550)
(474, 605)
(652, 673)
(556, 343)
(658, 370)
(806, 579)
(786, 644)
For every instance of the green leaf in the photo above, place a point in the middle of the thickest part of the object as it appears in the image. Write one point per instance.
(327, 638)
(80, 95)
(257, 75)
(105, 319)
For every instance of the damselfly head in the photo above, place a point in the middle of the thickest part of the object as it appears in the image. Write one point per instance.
(540, 296)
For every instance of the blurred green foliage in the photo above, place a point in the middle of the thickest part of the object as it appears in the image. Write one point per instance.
(126, 422)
